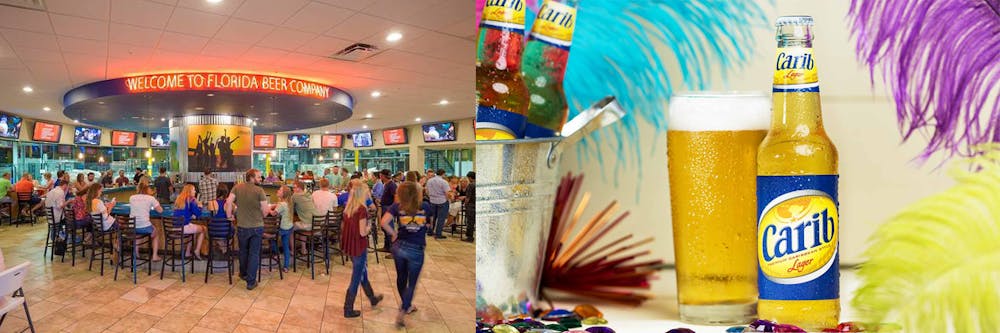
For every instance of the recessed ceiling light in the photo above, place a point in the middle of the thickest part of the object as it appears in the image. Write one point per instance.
(100, 102)
(163, 119)
(46, 109)
(199, 108)
(316, 104)
(27, 89)
(273, 113)
(213, 1)
(364, 126)
(393, 36)
(376, 94)
(443, 102)
(418, 119)
(326, 132)
(368, 116)
(209, 94)
(76, 121)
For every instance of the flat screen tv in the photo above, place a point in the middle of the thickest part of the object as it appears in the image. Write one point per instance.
(394, 136)
(10, 126)
(46, 132)
(362, 139)
(159, 140)
(263, 141)
(298, 141)
(332, 141)
(123, 138)
(87, 136)
(439, 132)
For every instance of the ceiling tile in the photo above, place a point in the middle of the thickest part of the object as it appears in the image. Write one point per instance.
(268, 11)
(350, 4)
(24, 19)
(130, 34)
(317, 17)
(18, 38)
(127, 51)
(263, 55)
(286, 39)
(358, 27)
(238, 30)
(140, 12)
(465, 29)
(407, 11)
(79, 27)
(225, 8)
(11, 63)
(324, 46)
(46, 71)
(442, 46)
(172, 41)
(85, 46)
(193, 22)
(39, 55)
(95, 9)
(221, 48)
(127, 67)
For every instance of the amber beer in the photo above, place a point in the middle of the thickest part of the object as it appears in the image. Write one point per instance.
(712, 146)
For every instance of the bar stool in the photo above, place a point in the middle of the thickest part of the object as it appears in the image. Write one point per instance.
(54, 227)
(176, 241)
(128, 236)
(103, 242)
(373, 235)
(6, 210)
(272, 252)
(316, 240)
(220, 230)
(76, 232)
(24, 203)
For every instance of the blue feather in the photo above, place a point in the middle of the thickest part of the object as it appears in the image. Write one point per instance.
(613, 53)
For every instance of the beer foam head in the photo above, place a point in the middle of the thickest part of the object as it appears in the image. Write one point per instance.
(719, 111)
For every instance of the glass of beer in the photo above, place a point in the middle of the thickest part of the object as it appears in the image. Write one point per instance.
(712, 142)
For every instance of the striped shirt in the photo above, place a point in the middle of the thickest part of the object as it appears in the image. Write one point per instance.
(206, 188)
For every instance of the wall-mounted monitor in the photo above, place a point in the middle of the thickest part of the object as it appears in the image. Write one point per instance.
(332, 141)
(123, 138)
(10, 126)
(159, 140)
(46, 132)
(298, 141)
(87, 136)
(394, 136)
(439, 132)
(362, 139)
(263, 141)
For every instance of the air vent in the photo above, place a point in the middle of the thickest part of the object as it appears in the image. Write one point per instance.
(356, 52)
(27, 4)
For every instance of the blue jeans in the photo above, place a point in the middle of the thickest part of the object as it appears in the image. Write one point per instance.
(359, 277)
(286, 241)
(440, 216)
(409, 260)
(250, 239)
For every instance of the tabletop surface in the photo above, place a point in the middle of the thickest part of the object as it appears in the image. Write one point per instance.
(123, 208)
(660, 314)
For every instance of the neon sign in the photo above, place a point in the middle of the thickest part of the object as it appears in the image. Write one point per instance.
(226, 82)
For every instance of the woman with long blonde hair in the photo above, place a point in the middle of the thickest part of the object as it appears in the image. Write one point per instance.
(284, 209)
(186, 207)
(354, 243)
(408, 242)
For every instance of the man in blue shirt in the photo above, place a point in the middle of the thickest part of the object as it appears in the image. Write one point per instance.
(437, 194)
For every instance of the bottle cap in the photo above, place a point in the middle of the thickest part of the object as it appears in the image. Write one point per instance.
(794, 20)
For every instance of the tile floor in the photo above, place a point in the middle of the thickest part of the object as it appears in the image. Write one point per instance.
(63, 298)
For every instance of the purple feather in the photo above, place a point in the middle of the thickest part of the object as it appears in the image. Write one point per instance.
(941, 61)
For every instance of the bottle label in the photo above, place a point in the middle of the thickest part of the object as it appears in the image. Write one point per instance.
(554, 24)
(504, 14)
(795, 70)
(797, 237)
(498, 124)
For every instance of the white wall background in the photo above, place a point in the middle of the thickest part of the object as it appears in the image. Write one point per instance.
(878, 177)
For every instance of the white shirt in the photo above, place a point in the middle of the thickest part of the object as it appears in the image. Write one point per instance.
(107, 221)
(325, 201)
(437, 190)
(56, 198)
(139, 207)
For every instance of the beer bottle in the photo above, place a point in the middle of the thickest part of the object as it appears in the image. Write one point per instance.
(501, 98)
(798, 221)
(545, 57)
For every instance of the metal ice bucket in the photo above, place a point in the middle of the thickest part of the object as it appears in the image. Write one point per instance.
(516, 182)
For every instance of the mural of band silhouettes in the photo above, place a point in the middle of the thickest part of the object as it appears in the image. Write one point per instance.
(219, 148)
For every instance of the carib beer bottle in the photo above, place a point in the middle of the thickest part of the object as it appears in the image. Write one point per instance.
(798, 222)
(545, 57)
(501, 98)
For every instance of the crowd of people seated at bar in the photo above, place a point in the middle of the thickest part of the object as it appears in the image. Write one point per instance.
(412, 207)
